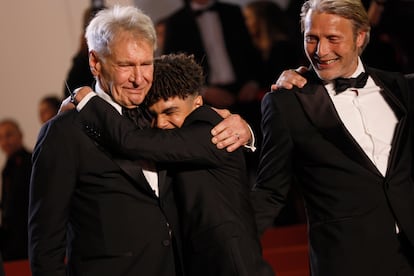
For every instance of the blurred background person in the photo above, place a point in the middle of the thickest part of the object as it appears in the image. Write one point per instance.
(79, 73)
(271, 32)
(381, 52)
(216, 34)
(393, 20)
(15, 192)
(48, 108)
(160, 27)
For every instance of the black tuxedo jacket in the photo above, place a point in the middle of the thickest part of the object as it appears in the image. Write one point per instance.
(99, 207)
(352, 209)
(212, 193)
(182, 35)
(15, 203)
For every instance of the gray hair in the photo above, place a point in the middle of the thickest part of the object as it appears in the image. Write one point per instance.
(108, 22)
(349, 9)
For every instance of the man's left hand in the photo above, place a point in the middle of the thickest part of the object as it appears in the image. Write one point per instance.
(232, 133)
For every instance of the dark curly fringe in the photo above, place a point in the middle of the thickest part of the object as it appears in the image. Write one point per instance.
(175, 75)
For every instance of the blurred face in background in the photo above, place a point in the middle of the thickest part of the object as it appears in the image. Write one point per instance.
(11, 138)
(251, 21)
(160, 31)
(46, 111)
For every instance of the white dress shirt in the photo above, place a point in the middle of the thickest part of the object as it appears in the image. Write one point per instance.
(368, 118)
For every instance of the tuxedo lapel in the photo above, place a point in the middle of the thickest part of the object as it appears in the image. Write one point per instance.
(162, 176)
(318, 106)
(134, 171)
(392, 95)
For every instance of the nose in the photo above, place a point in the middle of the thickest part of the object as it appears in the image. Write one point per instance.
(161, 123)
(136, 75)
(322, 48)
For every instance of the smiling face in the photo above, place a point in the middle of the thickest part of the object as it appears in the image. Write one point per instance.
(331, 45)
(172, 112)
(127, 72)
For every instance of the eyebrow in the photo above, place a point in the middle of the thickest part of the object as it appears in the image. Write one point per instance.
(169, 109)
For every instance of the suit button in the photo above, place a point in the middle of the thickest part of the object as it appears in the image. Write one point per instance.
(166, 242)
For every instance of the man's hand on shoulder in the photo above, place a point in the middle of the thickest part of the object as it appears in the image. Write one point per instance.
(290, 78)
(69, 102)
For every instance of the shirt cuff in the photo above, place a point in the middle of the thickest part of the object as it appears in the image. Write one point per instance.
(252, 144)
(85, 99)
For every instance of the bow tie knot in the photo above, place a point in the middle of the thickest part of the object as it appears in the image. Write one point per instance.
(342, 84)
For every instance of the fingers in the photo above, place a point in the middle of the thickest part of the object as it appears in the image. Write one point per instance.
(217, 132)
(290, 78)
(223, 135)
(231, 133)
(230, 143)
(224, 113)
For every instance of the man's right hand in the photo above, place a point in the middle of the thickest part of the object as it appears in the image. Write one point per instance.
(290, 78)
(80, 93)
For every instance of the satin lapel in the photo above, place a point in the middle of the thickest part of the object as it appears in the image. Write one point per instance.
(321, 111)
(132, 169)
(162, 174)
(392, 95)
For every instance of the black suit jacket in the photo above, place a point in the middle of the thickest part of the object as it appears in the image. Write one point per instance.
(212, 193)
(14, 204)
(99, 207)
(182, 35)
(352, 209)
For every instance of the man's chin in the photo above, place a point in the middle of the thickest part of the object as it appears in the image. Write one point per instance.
(324, 75)
(136, 100)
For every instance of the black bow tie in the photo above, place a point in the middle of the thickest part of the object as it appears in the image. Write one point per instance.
(342, 84)
(199, 12)
(137, 115)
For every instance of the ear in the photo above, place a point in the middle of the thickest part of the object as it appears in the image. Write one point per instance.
(198, 101)
(361, 35)
(94, 63)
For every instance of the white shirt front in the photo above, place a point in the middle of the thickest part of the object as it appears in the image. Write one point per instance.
(368, 118)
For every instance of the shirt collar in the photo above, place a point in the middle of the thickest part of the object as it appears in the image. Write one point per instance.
(359, 70)
(101, 93)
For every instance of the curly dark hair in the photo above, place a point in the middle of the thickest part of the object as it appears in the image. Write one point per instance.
(175, 75)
